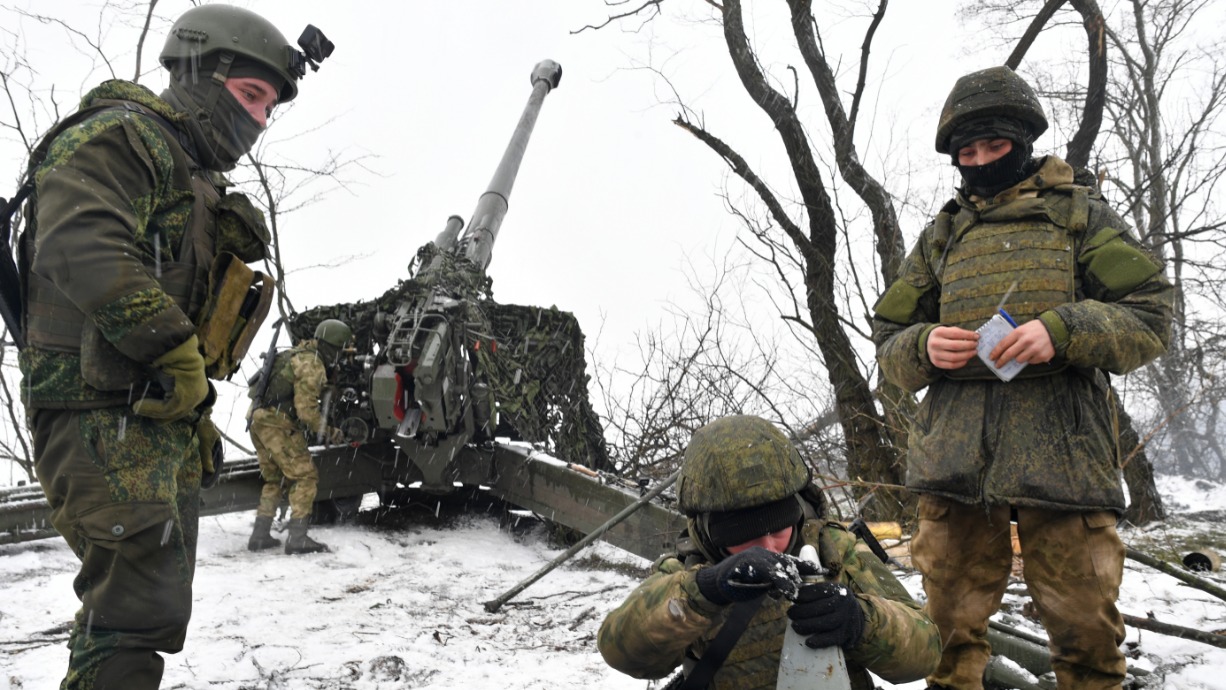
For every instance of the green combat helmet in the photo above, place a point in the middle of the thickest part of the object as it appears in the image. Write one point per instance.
(207, 29)
(333, 332)
(995, 91)
(331, 336)
(739, 472)
(212, 44)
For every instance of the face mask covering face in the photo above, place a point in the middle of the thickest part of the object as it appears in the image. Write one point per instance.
(989, 180)
(222, 134)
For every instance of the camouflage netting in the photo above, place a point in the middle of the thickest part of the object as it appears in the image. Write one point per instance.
(536, 369)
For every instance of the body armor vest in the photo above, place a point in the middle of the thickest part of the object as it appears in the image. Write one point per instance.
(280, 392)
(1021, 255)
(224, 298)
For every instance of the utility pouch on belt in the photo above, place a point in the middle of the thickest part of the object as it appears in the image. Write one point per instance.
(239, 299)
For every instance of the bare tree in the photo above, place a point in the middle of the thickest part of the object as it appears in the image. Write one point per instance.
(803, 237)
(705, 363)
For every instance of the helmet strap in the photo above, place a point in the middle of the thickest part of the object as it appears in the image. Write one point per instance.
(217, 82)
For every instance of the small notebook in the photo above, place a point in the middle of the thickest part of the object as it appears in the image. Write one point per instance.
(990, 334)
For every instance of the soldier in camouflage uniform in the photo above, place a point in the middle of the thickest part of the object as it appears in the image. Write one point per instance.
(749, 500)
(127, 225)
(1031, 236)
(289, 414)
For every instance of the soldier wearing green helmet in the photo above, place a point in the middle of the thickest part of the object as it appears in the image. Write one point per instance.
(1030, 244)
(751, 505)
(136, 291)
(288, 416)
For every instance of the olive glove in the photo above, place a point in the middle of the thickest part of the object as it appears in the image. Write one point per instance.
(829, 614)
(212, 451)
(186, 386)
(748, 575)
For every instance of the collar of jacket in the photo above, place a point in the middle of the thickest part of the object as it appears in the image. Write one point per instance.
(1052, 172)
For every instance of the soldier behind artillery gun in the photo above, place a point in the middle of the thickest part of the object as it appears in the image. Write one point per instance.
(751, 506)
(287, 411)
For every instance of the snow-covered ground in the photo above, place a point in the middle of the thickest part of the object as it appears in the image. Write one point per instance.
(400, 606)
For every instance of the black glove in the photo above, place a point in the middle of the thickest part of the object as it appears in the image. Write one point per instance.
(212, 451)
(829, 614)
(209, 479)
(748, 575)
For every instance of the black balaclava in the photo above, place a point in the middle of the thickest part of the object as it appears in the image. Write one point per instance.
(221, 128)
(989, 180)
(729, 528)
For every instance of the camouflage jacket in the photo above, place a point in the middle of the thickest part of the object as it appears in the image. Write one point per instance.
(666, 619)
(1057, 253)
(113, 198)
(296, 389)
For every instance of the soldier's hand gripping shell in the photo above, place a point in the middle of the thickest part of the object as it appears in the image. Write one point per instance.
(186, 385)
(748, 575)
(829, 614)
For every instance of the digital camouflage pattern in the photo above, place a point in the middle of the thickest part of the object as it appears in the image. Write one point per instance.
(966, 555)
(125, 495)
(1043, 445)
(109, 190)
(292, 414)
(117, 268)
(1047, 441)
(666, 618)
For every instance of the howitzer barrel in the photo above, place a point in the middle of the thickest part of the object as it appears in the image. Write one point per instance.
(477, 244)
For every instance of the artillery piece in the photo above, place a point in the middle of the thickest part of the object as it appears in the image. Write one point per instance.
(436, 364)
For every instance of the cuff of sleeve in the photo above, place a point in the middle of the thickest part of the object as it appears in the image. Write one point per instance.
(1057, 330)
(922, 342)
(144, 325)
(695, 597)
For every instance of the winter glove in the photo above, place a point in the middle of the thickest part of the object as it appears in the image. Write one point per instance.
(186, 386)
(334, 436)
(212, 451)
(748, 575)
(829, 614)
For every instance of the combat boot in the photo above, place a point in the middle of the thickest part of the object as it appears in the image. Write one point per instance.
(261, 537)
(299, 542)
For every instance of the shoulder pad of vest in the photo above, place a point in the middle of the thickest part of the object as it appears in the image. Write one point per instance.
(1069, 205)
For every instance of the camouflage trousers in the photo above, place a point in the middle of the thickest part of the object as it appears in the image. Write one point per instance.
(281, 449)
(1073, 566)
(125, 494)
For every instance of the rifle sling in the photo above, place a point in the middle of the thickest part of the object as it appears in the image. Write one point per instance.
(713, 658)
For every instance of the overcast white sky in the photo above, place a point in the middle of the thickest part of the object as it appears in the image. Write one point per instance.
(613, 202)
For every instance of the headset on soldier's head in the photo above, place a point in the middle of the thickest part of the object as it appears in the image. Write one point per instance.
(315, 48)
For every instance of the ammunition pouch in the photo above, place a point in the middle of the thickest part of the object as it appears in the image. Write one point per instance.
(238, 301)
(241, 228)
